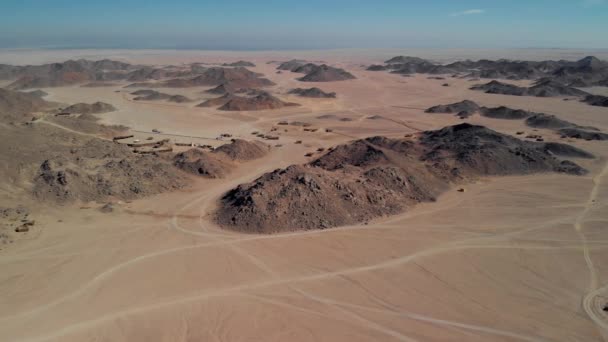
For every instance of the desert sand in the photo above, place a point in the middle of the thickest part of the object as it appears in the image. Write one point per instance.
(518, 258)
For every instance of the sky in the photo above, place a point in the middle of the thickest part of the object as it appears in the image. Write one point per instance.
(303, 24)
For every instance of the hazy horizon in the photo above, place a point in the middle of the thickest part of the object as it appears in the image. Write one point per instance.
(290, 25)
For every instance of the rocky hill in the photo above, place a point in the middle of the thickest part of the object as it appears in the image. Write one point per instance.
(236, 77)
(325, 73)
(505, 113)
(565, 128)
(239, 64)
(17, 106)
(221, 161)
(585, 72)
(264, 101)
(463, 109)
(291, 65)
(545, 88)
(378, 176)
(496, 87)
(63, 74)
(596, 100)
(312, 92)
(152, 95)
(47, 160)
(89, 108)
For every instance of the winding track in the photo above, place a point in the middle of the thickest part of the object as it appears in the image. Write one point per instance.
(173, 223)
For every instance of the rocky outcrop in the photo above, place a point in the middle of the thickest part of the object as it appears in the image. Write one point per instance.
(89, 108)
(152, 95)
(221, 161)
(325, 73)
(239, 64)
(378, 176)
(596, 100)
(463, 108)
(312, 92)
(264, 101)
(17, 106)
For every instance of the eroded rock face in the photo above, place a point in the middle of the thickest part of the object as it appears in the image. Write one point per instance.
(379, 176)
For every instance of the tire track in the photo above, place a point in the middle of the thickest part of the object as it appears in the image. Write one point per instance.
(283, 281)
(590, 301)
(110, 271)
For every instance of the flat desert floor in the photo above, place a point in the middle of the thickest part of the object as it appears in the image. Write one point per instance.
(510, 259)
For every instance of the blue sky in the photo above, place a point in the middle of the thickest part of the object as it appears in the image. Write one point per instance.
(304, 24)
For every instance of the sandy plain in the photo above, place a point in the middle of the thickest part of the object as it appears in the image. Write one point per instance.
(510, 259)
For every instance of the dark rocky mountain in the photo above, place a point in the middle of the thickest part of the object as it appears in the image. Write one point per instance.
(585, 72)
(550, 88)
(312, 92)
(463, 109)
(89, 108)
(548, 121)
(378, 176)
(239, 64)
(235, 77)
(496, 87)
(263, 101)
(325, 73)
(405, 60)
(315, 72)
(545, 88)
(596, 100)
(505, 113)
(579, 133)
(152, 95)
(62, 74)
(291, 65)
(377, 67)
